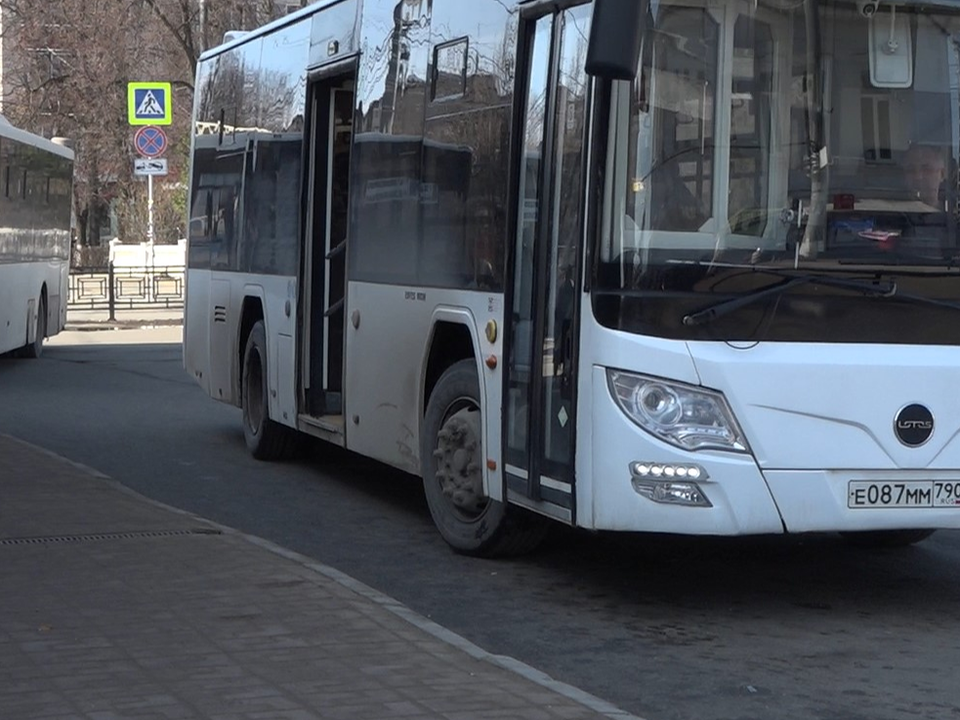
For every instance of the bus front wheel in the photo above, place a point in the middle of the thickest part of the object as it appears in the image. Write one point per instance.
(266, 439)
(452, 461)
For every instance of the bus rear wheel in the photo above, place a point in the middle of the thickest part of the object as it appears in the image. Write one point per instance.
(452, 460)
(886, 538)
(266, 439)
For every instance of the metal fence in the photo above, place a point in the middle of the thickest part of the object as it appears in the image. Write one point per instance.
(127, 288)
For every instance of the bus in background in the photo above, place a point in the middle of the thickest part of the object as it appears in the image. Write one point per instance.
(36, 202)
(687, 266)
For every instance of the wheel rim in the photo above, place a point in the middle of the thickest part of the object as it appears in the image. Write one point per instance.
(458, 454)
(253, 401)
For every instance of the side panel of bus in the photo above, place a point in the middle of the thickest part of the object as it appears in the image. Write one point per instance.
(389, 351)
(429, 218)
(244, 238)
(35, 203)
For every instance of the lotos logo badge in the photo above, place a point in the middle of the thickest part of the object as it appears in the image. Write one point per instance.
(913, 425)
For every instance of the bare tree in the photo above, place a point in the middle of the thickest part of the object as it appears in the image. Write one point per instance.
(67, 66)
(196, 25)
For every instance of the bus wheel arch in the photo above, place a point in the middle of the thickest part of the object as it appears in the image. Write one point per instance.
(34, 348)
(452, 461)
(265, 438)
(449, 342)
(251, 312)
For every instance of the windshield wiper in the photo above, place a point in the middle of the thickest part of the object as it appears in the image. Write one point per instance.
(724, 307)
(848, 266)
(949, 265)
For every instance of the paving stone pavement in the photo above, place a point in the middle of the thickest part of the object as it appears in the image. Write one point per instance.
(114, 607)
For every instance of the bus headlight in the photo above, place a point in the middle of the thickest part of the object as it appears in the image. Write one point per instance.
(688, 417)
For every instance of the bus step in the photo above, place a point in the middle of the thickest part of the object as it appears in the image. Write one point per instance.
(328, 427)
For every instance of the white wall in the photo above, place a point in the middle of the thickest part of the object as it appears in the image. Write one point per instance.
(139, 255)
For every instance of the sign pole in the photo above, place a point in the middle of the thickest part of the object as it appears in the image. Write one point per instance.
(150, 104)
(150, 217)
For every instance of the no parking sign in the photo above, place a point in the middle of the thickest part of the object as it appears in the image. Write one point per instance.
(150, 141)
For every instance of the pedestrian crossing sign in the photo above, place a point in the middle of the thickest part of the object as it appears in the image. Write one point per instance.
(149, 103)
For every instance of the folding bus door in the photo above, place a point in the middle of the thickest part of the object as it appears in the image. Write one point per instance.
(543, 285)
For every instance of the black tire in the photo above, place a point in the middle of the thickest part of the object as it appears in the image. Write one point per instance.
(266, 439)
(886, 538)
(34, 349)
(471, 523)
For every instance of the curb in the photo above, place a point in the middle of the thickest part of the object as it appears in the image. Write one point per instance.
(386, 602)
(121, 325)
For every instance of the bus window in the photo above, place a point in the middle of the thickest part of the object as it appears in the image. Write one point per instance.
(673, 164)
(751, 103)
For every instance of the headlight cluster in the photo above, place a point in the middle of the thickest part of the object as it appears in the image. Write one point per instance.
(688, 417)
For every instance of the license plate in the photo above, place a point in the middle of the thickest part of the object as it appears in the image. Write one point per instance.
(911, 494)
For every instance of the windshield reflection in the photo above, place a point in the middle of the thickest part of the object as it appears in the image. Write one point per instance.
(802, 136)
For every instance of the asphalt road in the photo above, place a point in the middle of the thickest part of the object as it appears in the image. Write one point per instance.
(742, 629)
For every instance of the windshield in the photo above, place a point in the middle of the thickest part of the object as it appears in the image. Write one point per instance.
(815, 137)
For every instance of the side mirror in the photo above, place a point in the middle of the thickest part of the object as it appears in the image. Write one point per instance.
(614, 49)
(891, 50)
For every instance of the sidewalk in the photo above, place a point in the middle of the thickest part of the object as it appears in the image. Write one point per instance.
(114, 607)
(123, 318)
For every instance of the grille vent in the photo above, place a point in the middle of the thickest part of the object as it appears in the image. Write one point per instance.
(101, 537)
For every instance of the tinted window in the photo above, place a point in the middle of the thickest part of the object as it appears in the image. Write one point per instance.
(386, 211)
(36, 198)
(468, 128)
(272, 186)
(217, 164)
(245, 192)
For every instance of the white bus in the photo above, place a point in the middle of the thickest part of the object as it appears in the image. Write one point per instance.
(680, 266)
(36, 201)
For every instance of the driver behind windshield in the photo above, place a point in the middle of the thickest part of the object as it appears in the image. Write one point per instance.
(925, 171)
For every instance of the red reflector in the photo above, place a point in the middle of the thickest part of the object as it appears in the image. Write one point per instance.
(844, 201)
